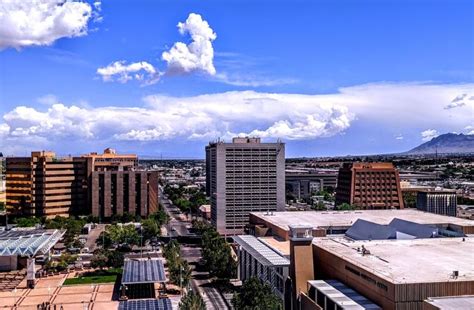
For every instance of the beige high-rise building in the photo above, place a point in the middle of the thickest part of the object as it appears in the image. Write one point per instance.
(101, 184)
(44, 185)
(111, 161)
(242, 177)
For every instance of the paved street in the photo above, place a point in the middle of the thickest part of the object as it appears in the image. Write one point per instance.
(200, 280)
(192, 253)
(177, 224)
(92, 237)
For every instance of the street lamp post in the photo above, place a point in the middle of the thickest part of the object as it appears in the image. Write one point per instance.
(49, 294)
(141, 241)
(181, 280)
(14, 297)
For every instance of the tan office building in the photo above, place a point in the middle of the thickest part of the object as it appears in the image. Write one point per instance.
(44, 185)
(111, 161)
(101, 184)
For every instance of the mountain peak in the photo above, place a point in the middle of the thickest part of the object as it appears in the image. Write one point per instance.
(446, 143)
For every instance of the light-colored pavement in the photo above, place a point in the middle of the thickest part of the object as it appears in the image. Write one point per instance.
(93, 236)
(97, 296)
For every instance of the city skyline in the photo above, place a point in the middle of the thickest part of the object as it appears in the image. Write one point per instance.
(164, 79)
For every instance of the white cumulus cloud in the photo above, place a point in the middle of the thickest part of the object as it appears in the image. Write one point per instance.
(198, 55)
(270, 115)
(181, 58)
(469, 130)
(4, 130)
(41, 22)
(122, 72)
(289, 116)
(460, 101)
(429, 134)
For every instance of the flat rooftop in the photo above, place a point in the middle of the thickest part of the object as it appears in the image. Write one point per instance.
(407, 261)
(452, 302)
(263, 253)
(282, 247)
(325, 219)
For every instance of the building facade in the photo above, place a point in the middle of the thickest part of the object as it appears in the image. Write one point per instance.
(442, 202)
(256, 259)
(242, 177)
(111, 161)
(303, 185)
(369, 186)
(101, 184)
(44, 185)
(119, 192)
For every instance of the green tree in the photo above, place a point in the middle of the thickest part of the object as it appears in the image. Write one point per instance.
(345, 206)
(217, 255)
(115, 259)
(180, 273)
(99, 260)
(127, 217)
(319, 206)
(197, 199)
(183, 204)
(200, 226)
(116, 235)
(171, 252)
(160, 217)
(72, 226)
(27, 221)
(255, 295)
(409, 199)
(192, 301)
(151, 228)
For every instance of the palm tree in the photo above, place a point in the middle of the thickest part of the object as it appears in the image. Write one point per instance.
(192, 301)
(180, 273)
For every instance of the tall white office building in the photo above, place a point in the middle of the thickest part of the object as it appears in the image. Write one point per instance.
(242, 177)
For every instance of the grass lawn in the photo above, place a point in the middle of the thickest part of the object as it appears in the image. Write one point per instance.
(98, 276)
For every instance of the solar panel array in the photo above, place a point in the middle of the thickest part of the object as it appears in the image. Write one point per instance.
(143, 271)
(146, 304)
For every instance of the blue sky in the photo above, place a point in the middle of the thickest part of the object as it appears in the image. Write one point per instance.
(327, 77)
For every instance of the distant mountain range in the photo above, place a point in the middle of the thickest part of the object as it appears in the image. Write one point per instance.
(446, 143)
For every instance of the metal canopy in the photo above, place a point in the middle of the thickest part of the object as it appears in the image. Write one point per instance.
(28, 242)
(343, 296)
(143, 270)
(264, 254)
(146, 304)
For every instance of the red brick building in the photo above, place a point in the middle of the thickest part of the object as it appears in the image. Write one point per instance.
(369, 186)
